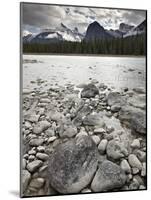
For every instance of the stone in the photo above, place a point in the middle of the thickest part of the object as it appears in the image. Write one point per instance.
(31, 157)
(102, 146)
(116, 149)
(135, 143)
(67, 129)
(40, 148)
(32, 152)
(56, 116)
(41, 126)
(51, 139)
(25, 178)
(37, 183)
(114, 98)
(125, 166)
(134, 118)
(94, 120)
(138, 101)
(143, 172)
(72, 165)
(36, 142)
(142, 187)
(115, 108)
(109, 176)
(141, 155)
(42, 156)
(134, 162)
(135, 170)
(82, 133)
(86, 190)
(24, 163)
(34, 165)
(134, 185)
(140, 90)
(33, 118)
(99, 131)
(50, 132)
(96, 139)
(89, 91)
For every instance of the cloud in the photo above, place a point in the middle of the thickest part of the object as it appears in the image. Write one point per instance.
(41, 16)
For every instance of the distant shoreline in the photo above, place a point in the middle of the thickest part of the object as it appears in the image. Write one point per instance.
(92, 55)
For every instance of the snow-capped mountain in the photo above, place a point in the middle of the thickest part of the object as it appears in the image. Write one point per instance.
(138, 30)
(63, 33)
(124, 28)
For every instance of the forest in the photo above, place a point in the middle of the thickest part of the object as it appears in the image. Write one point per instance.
(133, 45)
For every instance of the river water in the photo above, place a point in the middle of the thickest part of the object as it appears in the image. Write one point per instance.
(114, 71)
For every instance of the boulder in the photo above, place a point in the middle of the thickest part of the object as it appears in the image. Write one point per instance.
(41, 126)
(89, 91)
(72, 165)
(109, 176)
(34, 165)
(94, 120)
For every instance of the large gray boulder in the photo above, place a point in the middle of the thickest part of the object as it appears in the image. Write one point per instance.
(89, 91)
(73, 164)
(133, 117)
(108, 177)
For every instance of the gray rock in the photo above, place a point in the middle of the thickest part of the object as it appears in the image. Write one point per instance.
(99, 131)
(102, 146)
(37, 183)
(96, 139)
(41, 126)
(125, 166)
(32, 152)
(24, 163)
(34, 165)
(134, 185)
(89, 91)
(135, 143)
(72, 165)
(51, 139)
(116, 149)
(114, 98)
(143, 172)
(115, 108)
(67, 129)
(141, 155)
(134, 162)
(25, 178)
(134, 118)
(36, 142)
(31, 158)
(41, 148)
(86, 190)
(140, 90)
(33, 118)
(56, 116)
(135, 170)
(94, 120)
(108, 177)
(42, 156)
(82, 133)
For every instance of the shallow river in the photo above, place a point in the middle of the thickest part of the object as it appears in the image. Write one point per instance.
(114, 71)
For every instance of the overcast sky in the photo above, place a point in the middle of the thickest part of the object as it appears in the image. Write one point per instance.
(39, 16)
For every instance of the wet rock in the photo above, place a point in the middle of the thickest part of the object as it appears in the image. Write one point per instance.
(94, 120)
(125, 166)
(34, 165)
(108, 177)
(73, 164)
(25, 178)
(134, 162)
(36, 142)
(42, 156)
(89, 91)
(102, 146)
(37, 183)
(41, 126)
(116, 149)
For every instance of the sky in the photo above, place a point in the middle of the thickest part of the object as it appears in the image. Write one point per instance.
(37, 17)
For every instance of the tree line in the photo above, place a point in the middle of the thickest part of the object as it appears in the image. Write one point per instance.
(133, 45)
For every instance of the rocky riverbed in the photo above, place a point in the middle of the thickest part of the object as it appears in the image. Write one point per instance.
(83, 139)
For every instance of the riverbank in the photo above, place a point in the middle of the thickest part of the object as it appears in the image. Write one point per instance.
(83, 138)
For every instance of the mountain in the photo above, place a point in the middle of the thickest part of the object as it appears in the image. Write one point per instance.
(138, 30)
(63, 33)
(96, 31)
(124, 28)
